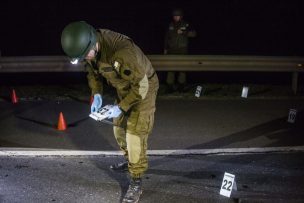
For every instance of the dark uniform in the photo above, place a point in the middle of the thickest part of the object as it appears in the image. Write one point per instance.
(127, 69)
(177, 43)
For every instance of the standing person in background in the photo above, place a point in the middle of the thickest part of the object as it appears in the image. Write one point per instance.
(176, 42)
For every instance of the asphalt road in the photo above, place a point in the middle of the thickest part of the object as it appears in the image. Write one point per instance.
(179, 124)
(259, 178)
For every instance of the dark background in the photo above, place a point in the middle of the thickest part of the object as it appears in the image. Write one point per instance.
(244, 27)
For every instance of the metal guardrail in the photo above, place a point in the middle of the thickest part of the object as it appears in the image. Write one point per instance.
(163, 63)
(226, 63)
(38, 64)
(167, 63)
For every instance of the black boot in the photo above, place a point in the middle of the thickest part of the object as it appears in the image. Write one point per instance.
(120, 167)
(133, 192)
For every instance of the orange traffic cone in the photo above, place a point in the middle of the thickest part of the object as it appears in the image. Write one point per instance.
(61, 122)
(91, 100)
(14, 97)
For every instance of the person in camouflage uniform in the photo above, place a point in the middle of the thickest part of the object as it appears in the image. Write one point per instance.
(176, 42)
(116, 58)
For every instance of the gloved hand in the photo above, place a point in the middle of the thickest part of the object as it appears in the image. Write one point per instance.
(96, 104)
(114, 112)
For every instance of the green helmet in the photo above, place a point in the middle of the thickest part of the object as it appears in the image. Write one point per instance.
(177, 12)
(77, 39)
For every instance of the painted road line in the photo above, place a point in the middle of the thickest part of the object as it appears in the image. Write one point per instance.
(223, 151)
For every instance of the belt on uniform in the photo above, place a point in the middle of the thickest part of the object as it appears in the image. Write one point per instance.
(152, 75)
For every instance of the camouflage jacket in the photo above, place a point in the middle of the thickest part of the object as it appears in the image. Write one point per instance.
(123, 65)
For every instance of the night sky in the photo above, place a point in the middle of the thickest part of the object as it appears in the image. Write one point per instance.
(243, 27)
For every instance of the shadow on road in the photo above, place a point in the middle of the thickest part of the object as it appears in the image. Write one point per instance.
(28, 116)
(284, 134)
(278, 129)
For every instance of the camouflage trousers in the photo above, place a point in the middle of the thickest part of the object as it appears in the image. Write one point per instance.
(181, 78)
(131, 131)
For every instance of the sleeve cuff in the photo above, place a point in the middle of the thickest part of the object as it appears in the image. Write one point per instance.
(123, 108)
(93, 92)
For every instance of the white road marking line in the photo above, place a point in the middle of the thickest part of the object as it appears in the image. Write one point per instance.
(11, 152)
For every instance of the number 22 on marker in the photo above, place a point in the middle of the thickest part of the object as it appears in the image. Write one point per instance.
(227, 184)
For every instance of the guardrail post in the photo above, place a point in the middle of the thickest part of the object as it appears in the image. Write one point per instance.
(295, 76)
